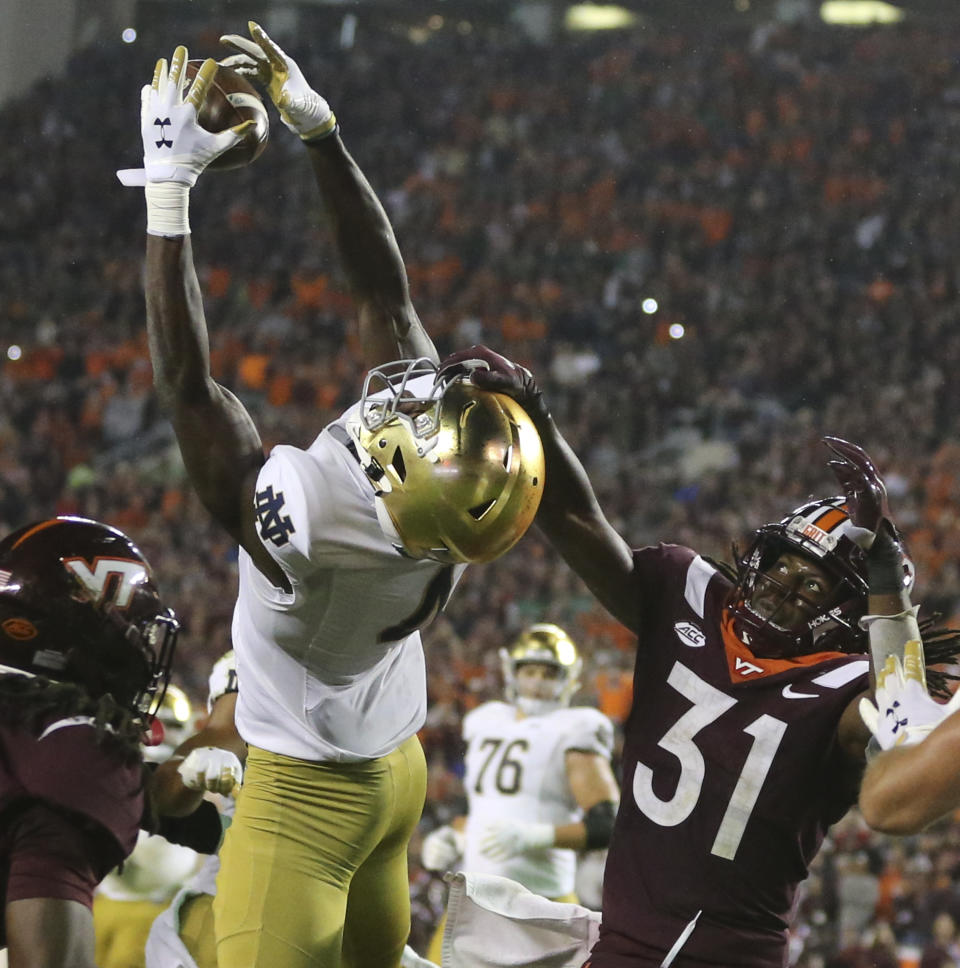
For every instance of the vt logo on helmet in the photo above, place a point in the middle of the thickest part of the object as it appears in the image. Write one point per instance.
(458, 471)
(802, 585)
(78, 603)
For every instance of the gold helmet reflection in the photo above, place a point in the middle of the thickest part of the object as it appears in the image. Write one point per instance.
(545, 644)
(175, 713)
(459, 471)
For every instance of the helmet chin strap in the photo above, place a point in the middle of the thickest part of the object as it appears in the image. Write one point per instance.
(386, 523)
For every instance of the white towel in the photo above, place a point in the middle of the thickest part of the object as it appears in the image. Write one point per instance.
(493, 922)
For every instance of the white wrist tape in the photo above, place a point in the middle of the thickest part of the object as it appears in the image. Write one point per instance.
(168, 208)
(890, 633)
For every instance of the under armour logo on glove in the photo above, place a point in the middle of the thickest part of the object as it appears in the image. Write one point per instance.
(909, 711)
(897, 723)
(161, 123)
(273, 526)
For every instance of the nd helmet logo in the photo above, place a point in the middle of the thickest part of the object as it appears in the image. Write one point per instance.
(115, 579)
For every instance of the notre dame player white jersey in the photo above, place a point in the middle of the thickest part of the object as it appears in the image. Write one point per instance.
(334, 670)
(516, 770)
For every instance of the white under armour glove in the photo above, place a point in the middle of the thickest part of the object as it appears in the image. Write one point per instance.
(211, 769)
(410, 959)
(175, 148)
(904, 713)
(441, 848)
(507, 838)
(301, 109)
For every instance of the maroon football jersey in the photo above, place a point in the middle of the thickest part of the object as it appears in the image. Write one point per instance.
(65, 768)
(731, 777)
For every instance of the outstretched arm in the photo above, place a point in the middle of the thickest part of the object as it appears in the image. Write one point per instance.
(569, 513)
(220, 445)
(389, 326)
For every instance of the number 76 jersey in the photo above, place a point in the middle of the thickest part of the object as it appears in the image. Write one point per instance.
(516, 770)
(731, 776)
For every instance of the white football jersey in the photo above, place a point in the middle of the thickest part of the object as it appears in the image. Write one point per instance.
(516, 770)
(334, 670)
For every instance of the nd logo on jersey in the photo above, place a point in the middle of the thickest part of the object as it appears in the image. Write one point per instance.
(113, 579)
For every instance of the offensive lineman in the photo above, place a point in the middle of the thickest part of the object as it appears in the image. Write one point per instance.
(538, 778)
(348, 548)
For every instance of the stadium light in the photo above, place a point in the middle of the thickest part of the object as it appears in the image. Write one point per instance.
(596, 16)
(860, 12)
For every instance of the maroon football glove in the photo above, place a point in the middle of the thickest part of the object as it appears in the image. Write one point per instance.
(491, 371)
(864, 489)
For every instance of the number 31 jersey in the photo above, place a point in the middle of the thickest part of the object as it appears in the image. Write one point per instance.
(516, 770)
(731, 776)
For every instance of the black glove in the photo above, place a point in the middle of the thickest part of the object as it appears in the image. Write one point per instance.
(491, 371)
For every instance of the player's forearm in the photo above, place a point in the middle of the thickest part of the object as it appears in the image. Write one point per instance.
(567, 488)
(170, 797)
(571, 835)
(571, 518)
(365, 240)
(906, 789)
(176, 327)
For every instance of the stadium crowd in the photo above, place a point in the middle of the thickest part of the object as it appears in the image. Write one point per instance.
(786, 196)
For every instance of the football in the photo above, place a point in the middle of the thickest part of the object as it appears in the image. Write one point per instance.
(231, 100)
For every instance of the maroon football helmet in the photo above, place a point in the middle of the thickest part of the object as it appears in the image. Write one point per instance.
(818, 531)
(78, 603)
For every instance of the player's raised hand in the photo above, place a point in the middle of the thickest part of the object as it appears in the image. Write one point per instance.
(175, 147)
(212, 769)
(864, 489)
(904, 713)
(301, 109)
(507, 838)
(489, 370)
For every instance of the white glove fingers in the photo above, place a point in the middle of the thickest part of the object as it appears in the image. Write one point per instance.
(201, 83)
(870, 715)
(277, 58)
(245, 48)
(178, 70)
(241, 63)
(914, 666)
(159, 83)
(952, 704)
(145, 93)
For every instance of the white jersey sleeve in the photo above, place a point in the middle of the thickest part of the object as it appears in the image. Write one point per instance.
(223, 678)
(291, 495)
(586, 730)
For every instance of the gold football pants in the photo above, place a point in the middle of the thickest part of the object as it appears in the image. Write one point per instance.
(121, 929)
(314, 866)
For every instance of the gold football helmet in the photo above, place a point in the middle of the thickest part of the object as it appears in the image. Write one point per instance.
(458, 471)
(544, 644)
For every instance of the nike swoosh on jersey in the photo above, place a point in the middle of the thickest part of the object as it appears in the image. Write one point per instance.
(788, 693)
